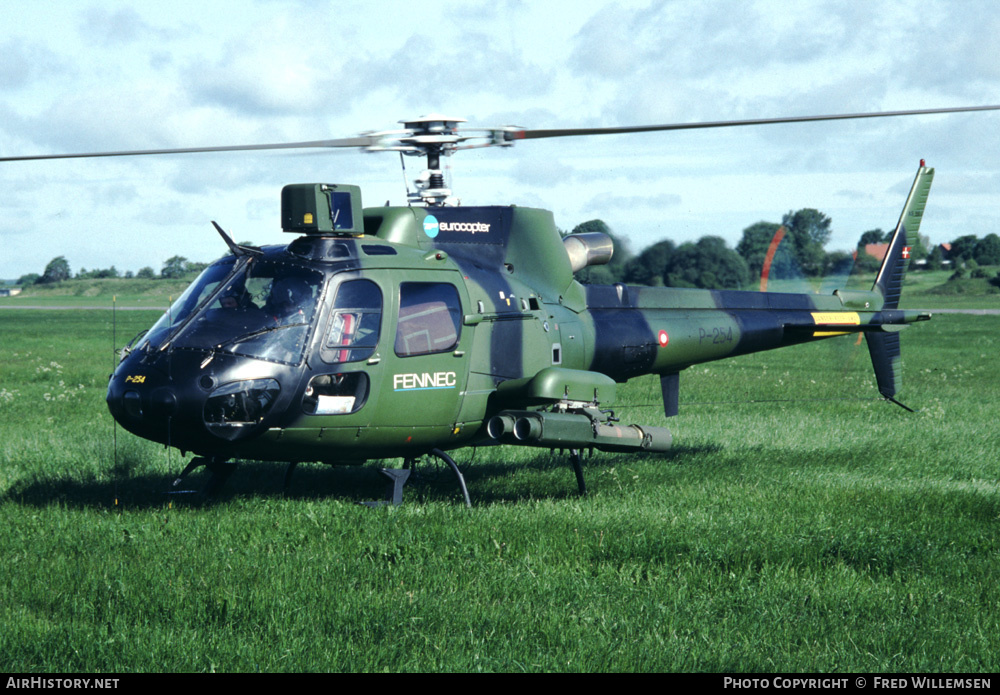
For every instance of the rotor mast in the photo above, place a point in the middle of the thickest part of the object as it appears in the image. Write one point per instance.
(435, 135)
(432, 136)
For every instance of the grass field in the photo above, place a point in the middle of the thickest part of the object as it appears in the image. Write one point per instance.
(131, 292)
(798, 525)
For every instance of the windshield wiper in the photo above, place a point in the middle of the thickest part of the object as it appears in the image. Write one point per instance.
(127, 350)
(262, 331)
(270, 329)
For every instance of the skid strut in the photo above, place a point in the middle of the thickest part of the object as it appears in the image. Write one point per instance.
(577, 460)
(458, 474)
(397, 478)
(288, 475)
(220, 469)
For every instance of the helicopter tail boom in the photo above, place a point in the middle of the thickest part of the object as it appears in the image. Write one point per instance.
(664, 330)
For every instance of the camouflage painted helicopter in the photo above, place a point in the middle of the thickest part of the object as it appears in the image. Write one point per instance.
(404, 332)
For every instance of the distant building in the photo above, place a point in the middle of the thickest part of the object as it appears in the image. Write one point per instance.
(878, 251)
(9, 291)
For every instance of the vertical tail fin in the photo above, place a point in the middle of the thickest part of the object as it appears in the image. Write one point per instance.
(884, 347)
(889, 281)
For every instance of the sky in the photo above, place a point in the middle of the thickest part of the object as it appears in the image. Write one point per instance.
(79, 77)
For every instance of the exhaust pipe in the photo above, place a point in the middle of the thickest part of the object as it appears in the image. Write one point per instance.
(590, 248)
(499, 426)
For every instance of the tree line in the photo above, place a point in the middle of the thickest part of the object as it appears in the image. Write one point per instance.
(710, 263)
(58, 270)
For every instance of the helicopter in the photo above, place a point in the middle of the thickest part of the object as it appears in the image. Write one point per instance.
(412, 331)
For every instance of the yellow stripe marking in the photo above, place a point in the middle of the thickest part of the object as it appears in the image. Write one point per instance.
(836, 318)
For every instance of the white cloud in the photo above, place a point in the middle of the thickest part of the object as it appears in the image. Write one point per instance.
(25, 62)
(101, 26)
(613, 203)
(192, 73)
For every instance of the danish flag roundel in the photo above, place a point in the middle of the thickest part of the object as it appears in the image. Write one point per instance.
(663, 339)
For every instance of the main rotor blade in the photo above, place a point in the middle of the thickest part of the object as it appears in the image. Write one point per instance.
(565, 132)
(360, 141)
(510, 133)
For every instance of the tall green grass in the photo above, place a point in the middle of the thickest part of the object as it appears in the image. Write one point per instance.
(785, 532)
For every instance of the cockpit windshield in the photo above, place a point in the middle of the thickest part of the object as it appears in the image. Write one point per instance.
(253, 307)
(196, 293)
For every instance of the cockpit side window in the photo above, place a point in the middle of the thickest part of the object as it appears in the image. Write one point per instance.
(429, 318)
(355, 322)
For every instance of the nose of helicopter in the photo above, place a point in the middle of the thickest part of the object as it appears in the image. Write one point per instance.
(143, 405)
(194, 416)
(146, 404)
(162, 402)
